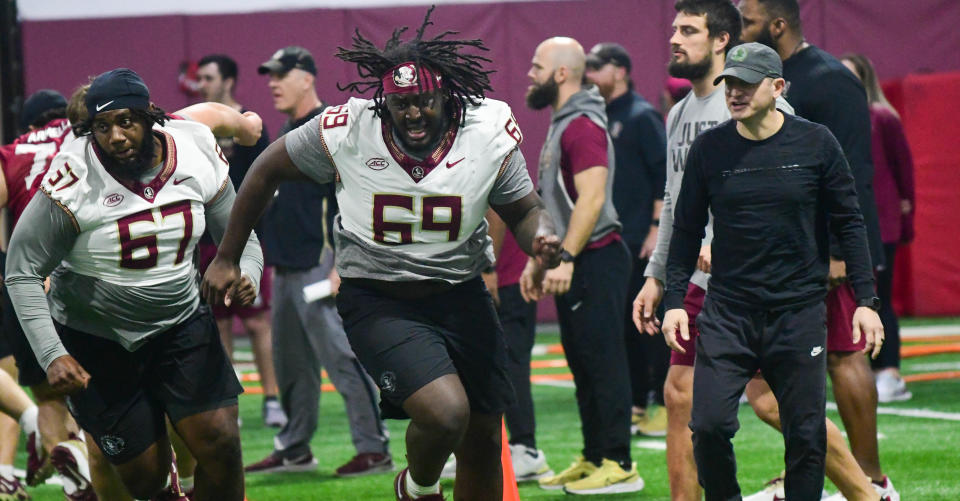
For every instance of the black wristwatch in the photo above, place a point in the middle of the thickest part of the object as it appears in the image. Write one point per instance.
(871, 302)
(566, 257)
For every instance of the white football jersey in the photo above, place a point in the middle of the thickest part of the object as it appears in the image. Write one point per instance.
(139, 233)
(430, 205)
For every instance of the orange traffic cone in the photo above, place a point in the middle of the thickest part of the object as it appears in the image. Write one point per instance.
(510, 492)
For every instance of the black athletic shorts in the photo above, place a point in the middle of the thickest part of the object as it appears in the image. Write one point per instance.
(30, 372)
(180, 372)
(405, 344)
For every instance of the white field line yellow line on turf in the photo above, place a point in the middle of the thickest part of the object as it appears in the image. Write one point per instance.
(930, 330)
(915, 413)
(655, 445)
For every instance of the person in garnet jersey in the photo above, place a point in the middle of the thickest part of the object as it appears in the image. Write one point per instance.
(415, 171)
(23, 164)
(120, 213)
(576, 182)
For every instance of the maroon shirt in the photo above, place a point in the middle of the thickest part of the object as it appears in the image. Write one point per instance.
(583, 145)
(893, 175)
(510, 262)
(27, 159)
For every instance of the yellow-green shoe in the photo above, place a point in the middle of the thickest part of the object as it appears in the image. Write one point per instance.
(610, 478)
(579, 469)
(654, 424)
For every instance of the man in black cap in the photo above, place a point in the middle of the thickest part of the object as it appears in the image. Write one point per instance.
(308, 336)
(639, 145)
(772, 183)
(125, 335)
(822, 90)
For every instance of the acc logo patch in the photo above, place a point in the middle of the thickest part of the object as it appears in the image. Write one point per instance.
(388, 381)
(113, 200)
(112, 444)
(377, 163)
(405, 76)
(738, 54)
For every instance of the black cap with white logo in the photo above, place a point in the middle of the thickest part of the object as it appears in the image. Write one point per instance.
(287, 59)
(115, 90)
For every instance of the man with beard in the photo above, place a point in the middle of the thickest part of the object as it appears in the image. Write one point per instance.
(309, 336)
(822, 90)
(704, 30)
(777, 186)
(217, 75)
(128, 340)
(416, 170)
(590, 285)
(639, 146)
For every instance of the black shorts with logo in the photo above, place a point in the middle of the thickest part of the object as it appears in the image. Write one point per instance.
(406, 344)
(29, 371)
(180, 372)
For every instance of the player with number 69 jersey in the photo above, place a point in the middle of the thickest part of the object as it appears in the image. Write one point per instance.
(416, 170)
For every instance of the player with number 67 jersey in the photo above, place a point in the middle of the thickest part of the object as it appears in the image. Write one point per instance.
(123, 332)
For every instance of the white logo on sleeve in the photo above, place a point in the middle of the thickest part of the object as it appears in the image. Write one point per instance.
(816, 351)
(104, 105)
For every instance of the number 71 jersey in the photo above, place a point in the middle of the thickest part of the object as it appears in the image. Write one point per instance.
(139, 232)
(417, 210)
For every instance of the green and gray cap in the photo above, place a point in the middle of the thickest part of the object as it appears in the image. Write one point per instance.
(751, 62)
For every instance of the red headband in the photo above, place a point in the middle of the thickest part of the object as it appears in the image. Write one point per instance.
(402, 79)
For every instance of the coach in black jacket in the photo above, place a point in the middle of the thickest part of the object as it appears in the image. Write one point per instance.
(776, 186)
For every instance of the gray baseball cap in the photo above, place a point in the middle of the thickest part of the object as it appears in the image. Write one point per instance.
(751, 62)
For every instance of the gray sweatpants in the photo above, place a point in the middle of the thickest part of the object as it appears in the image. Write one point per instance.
(307, 337)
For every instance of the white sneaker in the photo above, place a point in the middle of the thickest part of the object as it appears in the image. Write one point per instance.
(887, 491)
(891, 388)
(773, 491)
(529, 464)
(449, 471)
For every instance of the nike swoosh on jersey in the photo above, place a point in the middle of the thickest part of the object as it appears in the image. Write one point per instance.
(178, 181)
(451, 164)
(104, 105)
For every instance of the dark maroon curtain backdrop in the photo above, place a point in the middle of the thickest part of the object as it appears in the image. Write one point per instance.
(901, 37)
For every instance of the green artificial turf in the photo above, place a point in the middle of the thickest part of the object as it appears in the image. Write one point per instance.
(919, 454)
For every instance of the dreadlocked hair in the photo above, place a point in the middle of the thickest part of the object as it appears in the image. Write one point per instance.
(464, 78)
(148, 117)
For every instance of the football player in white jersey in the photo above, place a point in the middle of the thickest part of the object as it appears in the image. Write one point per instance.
(416, 168)
(128, 340)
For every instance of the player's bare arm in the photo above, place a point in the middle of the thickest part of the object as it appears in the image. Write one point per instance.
(225, 121)
(271, 168)
(533, 228)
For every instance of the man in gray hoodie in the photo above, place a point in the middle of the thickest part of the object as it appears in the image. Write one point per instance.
(590, 285)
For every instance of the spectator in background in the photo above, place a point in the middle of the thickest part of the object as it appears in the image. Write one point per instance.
(821, 90)
(673, 91)
(893, 189)
(639, 145)
(590, 285)
(298, 243)
(217, 75)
